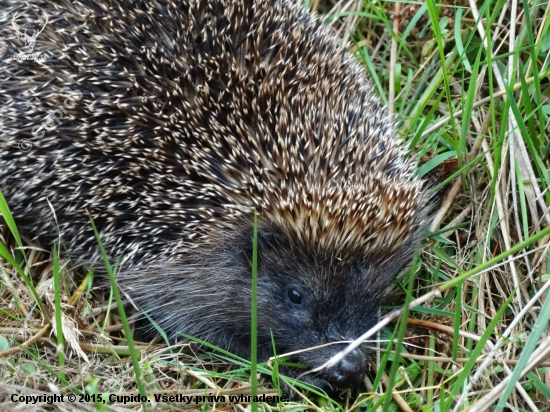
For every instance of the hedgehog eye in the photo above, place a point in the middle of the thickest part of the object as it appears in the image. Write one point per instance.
(294, 296)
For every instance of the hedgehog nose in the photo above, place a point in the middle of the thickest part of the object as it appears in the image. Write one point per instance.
(350, 370)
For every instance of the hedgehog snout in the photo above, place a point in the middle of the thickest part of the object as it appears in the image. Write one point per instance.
(350, 371)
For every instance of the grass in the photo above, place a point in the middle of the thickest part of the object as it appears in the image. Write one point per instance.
(469, 86)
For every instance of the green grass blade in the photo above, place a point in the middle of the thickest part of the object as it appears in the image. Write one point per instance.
(254, 319)
(27, 280)
(463, 377)
(540, 326)
(58, 312)
(399, 345)
(8, 218)
(123, 318)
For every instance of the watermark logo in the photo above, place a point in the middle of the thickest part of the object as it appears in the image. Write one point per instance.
(55, 117)
(29, 38)
(24, 145)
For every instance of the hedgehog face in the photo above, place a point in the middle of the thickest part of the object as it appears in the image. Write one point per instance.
(306, 299)
(312, 299)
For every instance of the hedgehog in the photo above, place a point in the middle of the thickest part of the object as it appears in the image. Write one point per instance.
(171, 124)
